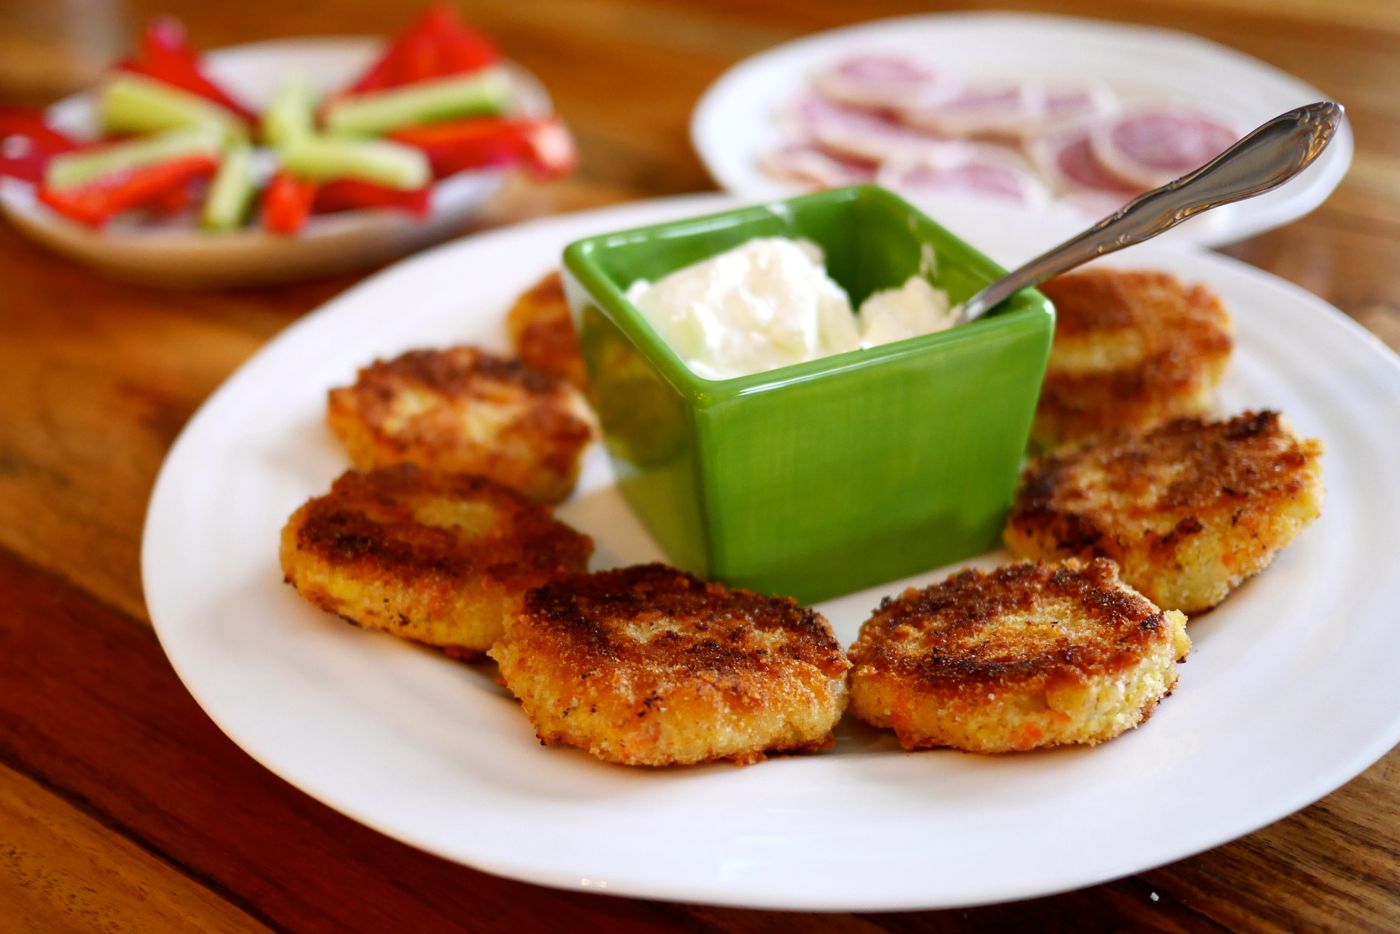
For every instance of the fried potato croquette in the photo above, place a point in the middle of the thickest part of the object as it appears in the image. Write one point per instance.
(466, 410)
(1132, 348)
(649, 666)
(541, 329)
(1188, 509)
(439, 558)
(1026, 656)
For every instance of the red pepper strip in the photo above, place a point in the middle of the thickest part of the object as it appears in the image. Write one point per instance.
(433, 46)
(465, 50)
(24, 121)
(543, 145)
(287, 203)
(27, 143)
(98, 202)
(440, 19)
(418, 61)
(171, 202)
(166, 55)
(353, 195)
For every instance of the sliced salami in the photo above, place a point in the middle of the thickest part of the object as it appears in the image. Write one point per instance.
(849, 133)
(1066, 159)
(881, 82)
(1151, 146)
(1073, 104)
(918, 130)
(807, 165)
(1011, 109)
(987, 173)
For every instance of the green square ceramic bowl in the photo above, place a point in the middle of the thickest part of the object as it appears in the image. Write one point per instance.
(829, 476)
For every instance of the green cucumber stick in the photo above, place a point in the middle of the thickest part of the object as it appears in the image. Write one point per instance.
(480, 93)
(130, 103)
(292, 114)
(75, 169)
(326, 159)
(231, 192)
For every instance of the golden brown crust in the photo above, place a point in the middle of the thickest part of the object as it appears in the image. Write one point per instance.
(432, 556)
(1024, 656)
(541, 329)
(962, 644)
(647, 665)
(463, 409)
(699, 626)
(1131, 349)
(1188, 509)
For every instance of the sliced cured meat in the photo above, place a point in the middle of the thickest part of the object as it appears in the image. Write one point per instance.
(1067, 160)
(863, 135)
(881, 82)
(807, 165)
(1068, 104)
(1011, 109)
(805, 117)
(1153, 145)
(1016, 110)
(986, 174)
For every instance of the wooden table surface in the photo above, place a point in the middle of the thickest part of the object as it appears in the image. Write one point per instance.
(122, 807)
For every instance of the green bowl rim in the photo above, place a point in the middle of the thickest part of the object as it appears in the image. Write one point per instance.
(578, 257)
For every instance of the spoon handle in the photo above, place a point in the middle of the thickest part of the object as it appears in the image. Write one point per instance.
(1259, 162)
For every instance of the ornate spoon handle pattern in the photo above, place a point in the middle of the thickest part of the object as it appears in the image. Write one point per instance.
(1260, 162)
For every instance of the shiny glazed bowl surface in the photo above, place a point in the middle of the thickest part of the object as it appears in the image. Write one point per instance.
(829, 476)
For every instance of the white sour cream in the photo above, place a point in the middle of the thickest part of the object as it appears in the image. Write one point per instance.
(769, 303)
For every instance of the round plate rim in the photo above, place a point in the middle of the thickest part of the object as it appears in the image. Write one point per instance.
(1322, 783)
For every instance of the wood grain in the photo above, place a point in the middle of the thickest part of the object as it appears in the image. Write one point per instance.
(64, 871)
(122, 807)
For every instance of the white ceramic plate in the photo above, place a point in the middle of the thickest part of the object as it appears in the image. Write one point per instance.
(181, 255)
(735, 121)
(1288, 693)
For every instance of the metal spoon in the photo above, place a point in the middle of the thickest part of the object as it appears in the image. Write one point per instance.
(1259, 162)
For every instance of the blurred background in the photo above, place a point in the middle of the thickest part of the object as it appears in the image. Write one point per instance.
(52, 47)
(1344, 47)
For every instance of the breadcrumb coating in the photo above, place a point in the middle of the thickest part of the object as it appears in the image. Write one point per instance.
(1132, 348)
(1026, 656)
(541, 329)
(648, 665)
(1188, 509)
(439, 558)
(466, 410)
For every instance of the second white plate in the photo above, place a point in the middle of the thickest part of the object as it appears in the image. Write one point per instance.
(735, 121)
(1287, 694)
